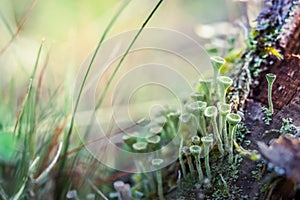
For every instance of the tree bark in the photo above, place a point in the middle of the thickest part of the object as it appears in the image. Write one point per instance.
(279, 29)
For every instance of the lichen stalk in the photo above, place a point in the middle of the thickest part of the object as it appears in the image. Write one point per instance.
(233, 120)
(157, 163)
(196, 152)
(217, 63)
(207, 142)
(212, 112)
(223, 109)
(223, 83)
(270, 78)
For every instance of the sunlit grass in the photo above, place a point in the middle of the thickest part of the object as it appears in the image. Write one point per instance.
(41, 157)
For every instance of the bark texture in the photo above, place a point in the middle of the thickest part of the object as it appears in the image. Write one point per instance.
(279, 29)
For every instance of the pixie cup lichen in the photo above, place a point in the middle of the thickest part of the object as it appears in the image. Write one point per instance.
(153, 142)
(217, 63)
(233, 120)
(206, 87)
(157, 162)
(223, 109)
(172, 123)
(223, 84)
(161, 120)
(188, 125)
(195, 139)
(196, 152)
(187, 153)
(185, 129)
(207, 142)
(193, 108)
(197, 96)
(212, 112)
(271, 79)
(156, 130)
(202, 123)
(129, 139)
(140, 147)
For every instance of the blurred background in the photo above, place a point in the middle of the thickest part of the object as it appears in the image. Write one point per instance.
(71, 30)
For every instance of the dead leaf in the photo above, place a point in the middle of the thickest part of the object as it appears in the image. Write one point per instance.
(284, 153)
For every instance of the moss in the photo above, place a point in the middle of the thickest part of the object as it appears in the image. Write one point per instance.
(288, 127)
(241, 132)
(267, 118)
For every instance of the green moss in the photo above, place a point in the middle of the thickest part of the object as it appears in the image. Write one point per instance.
(267, 118)
(287, 126)
(241, 132)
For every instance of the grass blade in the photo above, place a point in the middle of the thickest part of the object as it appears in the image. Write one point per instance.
(96, 189)
(41, 177)
(5, 22)
(99, 103)
(70, 130)
(87, 73)
(18, 195)
(20, 113)
(20, 27)
(28, 92)
(3, 195)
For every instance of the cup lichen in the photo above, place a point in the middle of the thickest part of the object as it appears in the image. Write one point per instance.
(212, 112)
(196, 152)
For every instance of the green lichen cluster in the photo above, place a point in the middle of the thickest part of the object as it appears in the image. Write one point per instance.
(222, 185)
(207, 130)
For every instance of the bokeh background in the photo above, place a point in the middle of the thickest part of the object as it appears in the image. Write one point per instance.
(72, 28)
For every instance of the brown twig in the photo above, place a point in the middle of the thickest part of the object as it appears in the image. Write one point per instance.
(58, 132)
(20, 27)
(23, 105)
(41, 76)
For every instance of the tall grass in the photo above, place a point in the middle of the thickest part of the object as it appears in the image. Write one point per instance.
(42, 167)
(19, 28)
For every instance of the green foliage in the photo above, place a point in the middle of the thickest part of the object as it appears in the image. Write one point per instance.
(36, 151)
(267, 118)
(263, 47)
(8, 148)
(241, 132)
(287, 126)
